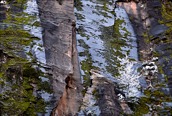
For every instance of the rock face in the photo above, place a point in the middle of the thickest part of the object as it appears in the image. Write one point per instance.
(142, 22)
(152, 40)
(58, 24)
(100, 98)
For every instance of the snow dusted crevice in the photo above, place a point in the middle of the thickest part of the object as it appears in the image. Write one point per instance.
(126, 27)
(131, 80)
(129, 76)
(38, 50)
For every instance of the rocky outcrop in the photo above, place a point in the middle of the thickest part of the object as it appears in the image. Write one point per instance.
(142, 22)
(152, 41)
(100, 98)
(58, 22)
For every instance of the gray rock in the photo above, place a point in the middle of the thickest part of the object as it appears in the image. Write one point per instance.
(159, 29)
(163, 47)
(61, 54)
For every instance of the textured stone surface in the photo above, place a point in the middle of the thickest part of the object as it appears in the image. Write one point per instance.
(153, 33)
(108, 101)
(106, 97)
(144, 18)
(58, 24)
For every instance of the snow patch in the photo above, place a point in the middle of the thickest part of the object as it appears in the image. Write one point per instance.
(38, 50)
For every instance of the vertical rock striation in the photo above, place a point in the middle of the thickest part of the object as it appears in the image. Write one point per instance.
(58, 22)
